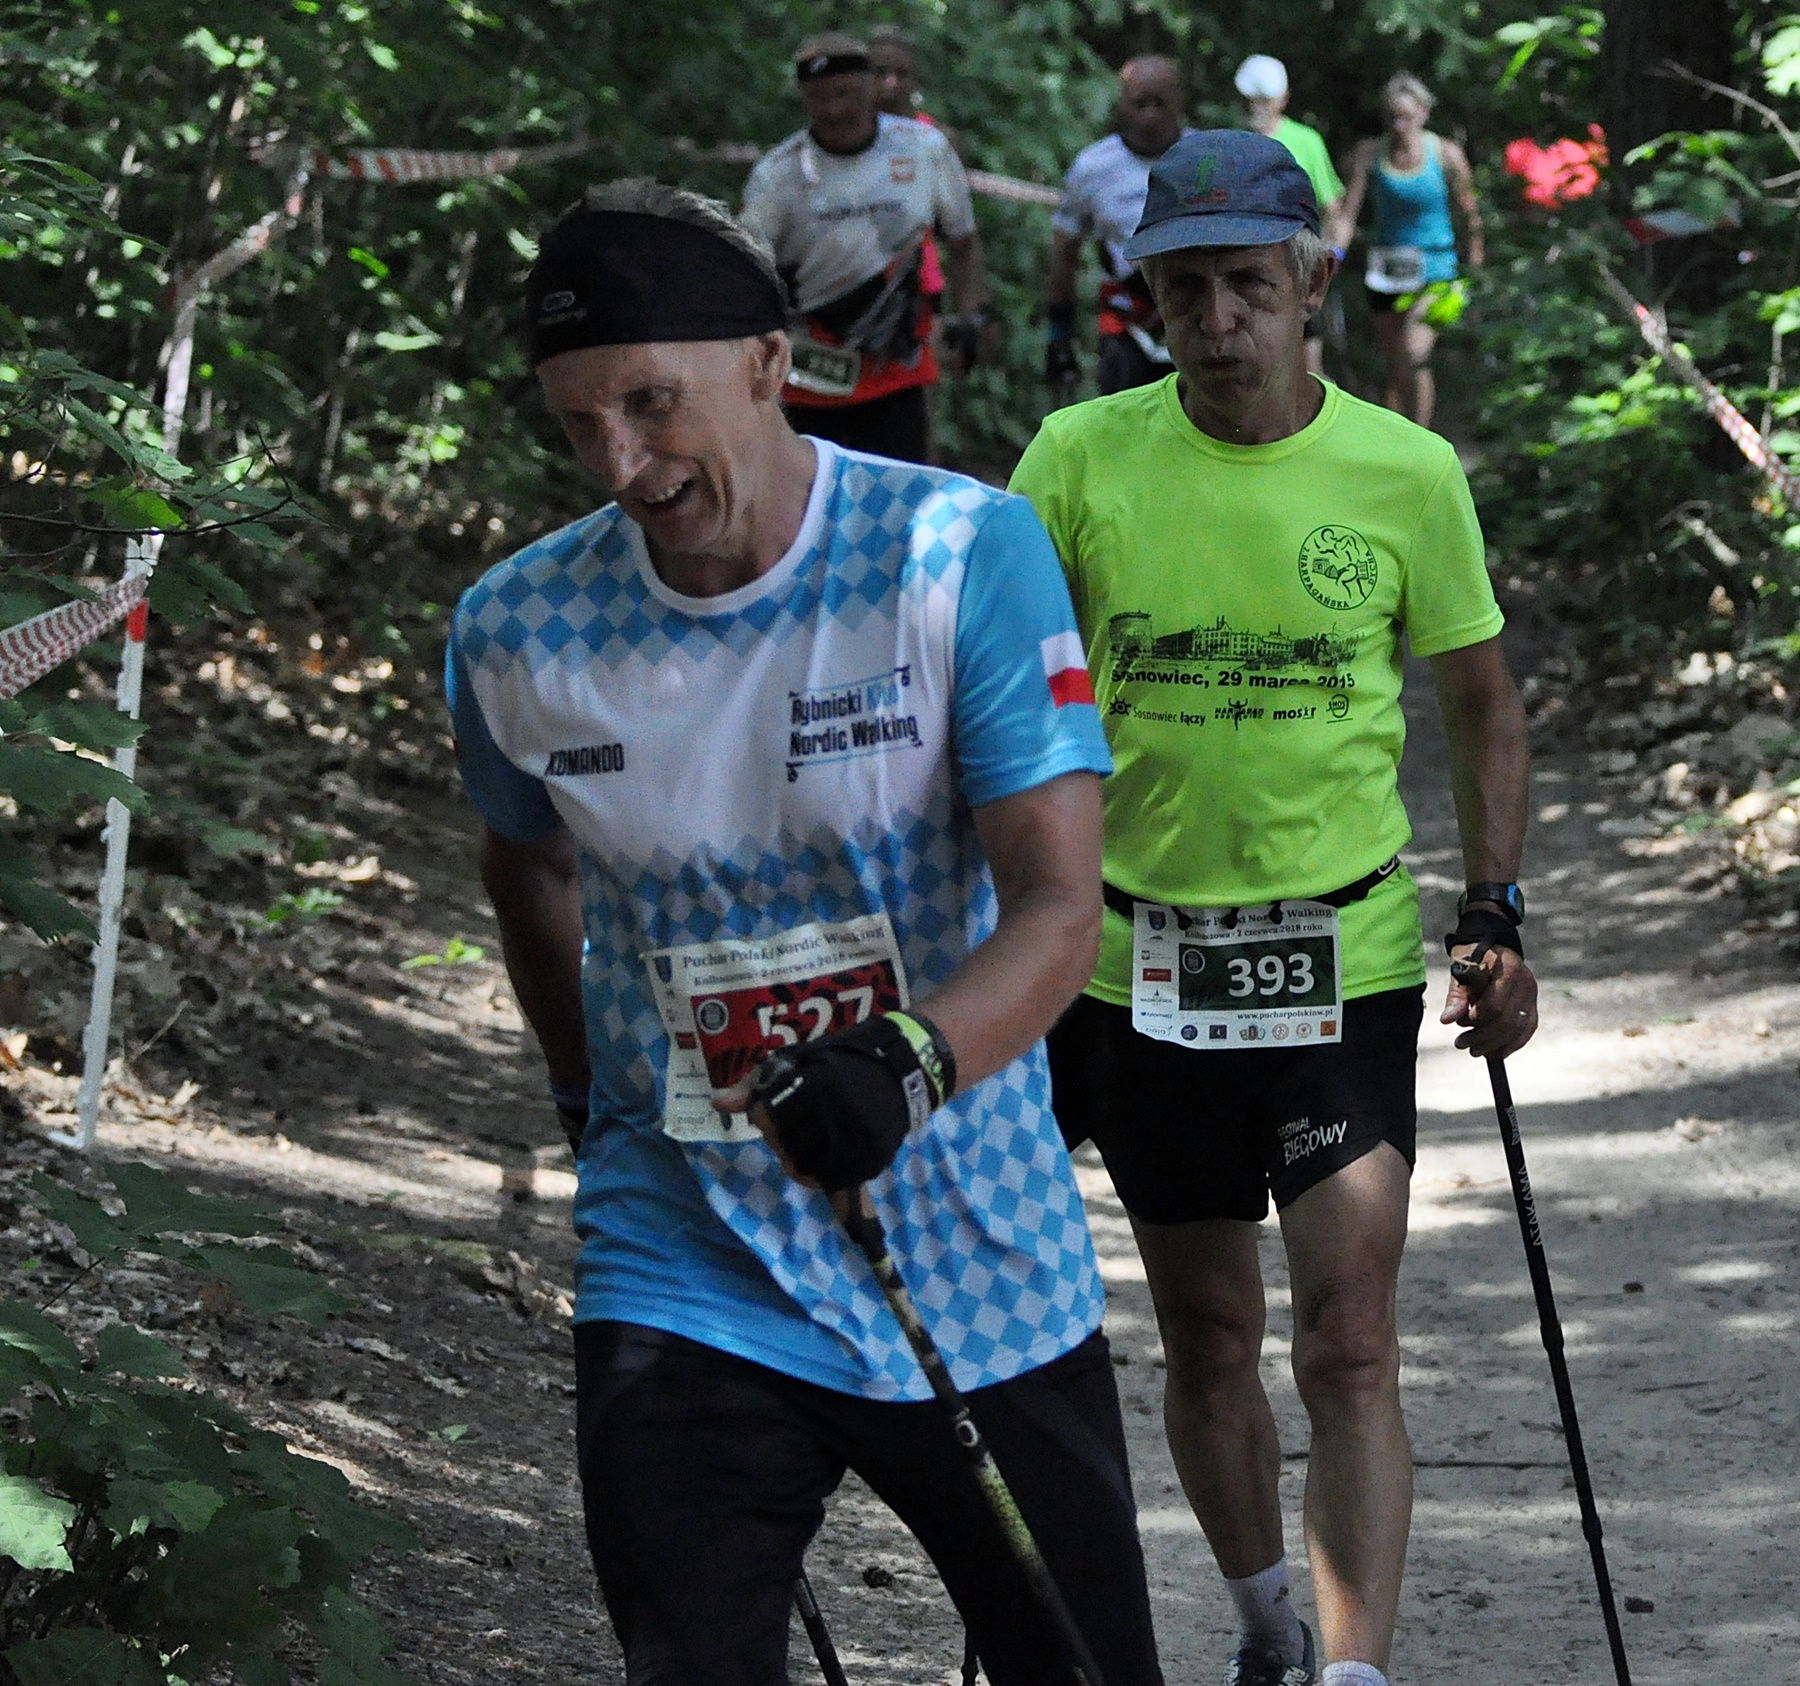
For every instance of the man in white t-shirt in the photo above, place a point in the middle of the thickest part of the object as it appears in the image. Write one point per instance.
(846, 204)
(1103, 197)
(787, 762)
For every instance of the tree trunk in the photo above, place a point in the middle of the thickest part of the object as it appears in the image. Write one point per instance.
(1640, 38)
(1642, 100)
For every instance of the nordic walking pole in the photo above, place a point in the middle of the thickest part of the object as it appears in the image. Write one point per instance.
(857, 1214)
(1537, 1265)
(813, 1621)
(1550, 1327)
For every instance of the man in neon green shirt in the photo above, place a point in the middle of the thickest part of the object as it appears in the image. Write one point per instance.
(1263, 83)
(1246, 546)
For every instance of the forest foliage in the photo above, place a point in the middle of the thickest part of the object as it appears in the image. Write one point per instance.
(363, 435)
(367, 369)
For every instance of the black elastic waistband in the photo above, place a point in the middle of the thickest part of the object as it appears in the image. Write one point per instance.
(1125, 905)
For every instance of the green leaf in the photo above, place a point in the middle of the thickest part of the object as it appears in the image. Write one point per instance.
(260, 535)
(355, 1642)
(267, 1285)
(93, 725)
(34, 1525)
(97, 427)
(125, 1351)
(216, 1582)
(135, 509)
(43, 912)
(183, 588)
(185, 1506)
(51, 780)
(26, 1329)
(1781, 60)
(253, 1666)
(352, 1528)
(79, 1656)
(407, 342)
(231, 842)
(95, 1232)
(155, 1203)
(181, 1434)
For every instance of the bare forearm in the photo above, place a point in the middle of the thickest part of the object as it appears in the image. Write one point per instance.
(1045, 849)
(1490, 766)
(1342, 228)
(967, 268)
(538, 905)
(1010, 991)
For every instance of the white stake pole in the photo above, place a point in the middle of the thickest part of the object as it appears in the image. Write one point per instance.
(140, 557)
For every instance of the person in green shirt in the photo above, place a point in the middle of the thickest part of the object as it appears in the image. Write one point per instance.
(1248, 547)
(1262, 82)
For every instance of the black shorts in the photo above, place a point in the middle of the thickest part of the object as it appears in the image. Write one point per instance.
(704, 1476)
(1125, 364)
(1189, 1133)
(897, 424)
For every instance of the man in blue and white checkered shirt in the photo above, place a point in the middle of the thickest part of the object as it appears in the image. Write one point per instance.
(793, 749)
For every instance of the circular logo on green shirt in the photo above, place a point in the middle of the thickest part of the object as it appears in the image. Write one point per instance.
(1337, 567)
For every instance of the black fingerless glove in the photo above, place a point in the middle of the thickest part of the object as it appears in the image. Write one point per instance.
(841, 1106)
(1483, 925)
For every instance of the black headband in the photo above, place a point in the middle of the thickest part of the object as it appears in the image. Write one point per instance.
(631, 278)
(815, 65)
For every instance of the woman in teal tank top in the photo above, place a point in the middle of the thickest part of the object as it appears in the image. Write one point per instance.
(1411, 177)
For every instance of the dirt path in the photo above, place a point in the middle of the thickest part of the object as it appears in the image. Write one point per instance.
(395, 1117)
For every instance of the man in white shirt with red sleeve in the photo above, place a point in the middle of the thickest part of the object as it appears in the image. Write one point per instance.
(846, 204)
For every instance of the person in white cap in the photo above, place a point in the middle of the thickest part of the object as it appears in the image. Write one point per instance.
(847, 204)
(1263, 83)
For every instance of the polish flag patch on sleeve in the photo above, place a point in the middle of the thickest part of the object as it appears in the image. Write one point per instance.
(1065, 666)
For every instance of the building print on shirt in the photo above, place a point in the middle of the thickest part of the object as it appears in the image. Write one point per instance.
(1233, 660)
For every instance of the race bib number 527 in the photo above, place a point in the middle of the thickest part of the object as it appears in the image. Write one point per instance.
(726, 1004)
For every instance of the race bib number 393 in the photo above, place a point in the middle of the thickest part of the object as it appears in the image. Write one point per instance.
(1238, 977)
(725, 1004)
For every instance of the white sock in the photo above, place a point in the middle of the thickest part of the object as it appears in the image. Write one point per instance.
(1352, 1674)
(1266, 1613)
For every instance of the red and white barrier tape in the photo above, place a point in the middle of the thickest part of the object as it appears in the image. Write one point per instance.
(32, 648)
(405, 164)
(1010, 187)
(1735, 424)
(408, 164)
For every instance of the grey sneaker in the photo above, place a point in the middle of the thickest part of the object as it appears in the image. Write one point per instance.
(1253, 1666)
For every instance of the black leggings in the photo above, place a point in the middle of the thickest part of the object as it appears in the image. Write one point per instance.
(704, 1476)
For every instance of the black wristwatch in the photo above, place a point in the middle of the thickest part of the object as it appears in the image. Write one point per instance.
(1509, 898)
